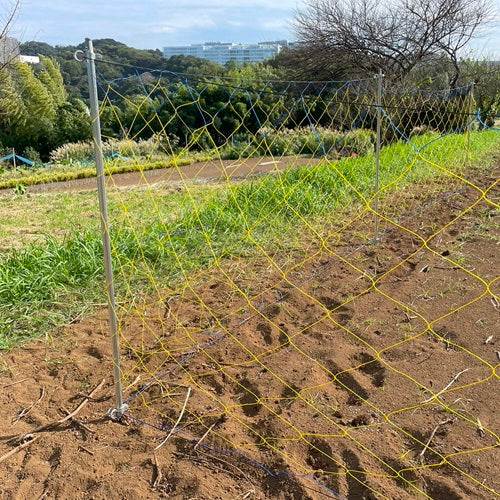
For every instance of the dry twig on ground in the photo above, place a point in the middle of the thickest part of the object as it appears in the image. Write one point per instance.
(57, 423)
(452, 381)
(178, 420)
(18, 448)
(157, 475)
(26, 411)
(431, 437)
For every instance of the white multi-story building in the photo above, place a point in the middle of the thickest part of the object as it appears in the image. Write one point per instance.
(9, 49)
(221, 53)
(29, 59)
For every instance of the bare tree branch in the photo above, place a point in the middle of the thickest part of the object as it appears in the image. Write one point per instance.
(7, 19)
(397, 36)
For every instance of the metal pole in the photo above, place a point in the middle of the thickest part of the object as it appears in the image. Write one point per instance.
(471, 111)
(380, 76)
(14, 158)
(89, 56)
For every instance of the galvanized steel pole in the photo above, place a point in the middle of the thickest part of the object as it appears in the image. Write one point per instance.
(469, 127)
(377, 150)
(89, 57)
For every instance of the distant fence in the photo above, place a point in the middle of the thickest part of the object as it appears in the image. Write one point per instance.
(294, 296)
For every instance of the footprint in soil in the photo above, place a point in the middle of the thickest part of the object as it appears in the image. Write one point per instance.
(55, 459)
(329, 302)
(347, 382)
(373, 368)
(95, 353)
(250, 396)
(283, 485)
(266, 330)
(356, 480)
(214, 384)
(320, 456)
(283, 338)
(272, 310)
(403, 476)
(441, 491)
(336, 307)
(290, 391)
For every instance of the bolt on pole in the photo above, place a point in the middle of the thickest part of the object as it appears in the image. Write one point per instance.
(379, 77)
(89, 57)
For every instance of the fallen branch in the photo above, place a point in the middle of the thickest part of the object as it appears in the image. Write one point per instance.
(202, 459)
(453, 380)
(26, 411)
(86, 450)
(157, 475)
(480, 428)
(495, 302)
(219, 459)
(79, 424)
(100, 399)
(178, 420)
(18, 448)
(218, 421)
(57, 423)
(14, 383)
(426, 446)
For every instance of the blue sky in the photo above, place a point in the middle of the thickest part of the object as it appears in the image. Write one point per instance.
(156, 23)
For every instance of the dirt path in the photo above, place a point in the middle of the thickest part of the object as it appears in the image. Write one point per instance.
(233, 169)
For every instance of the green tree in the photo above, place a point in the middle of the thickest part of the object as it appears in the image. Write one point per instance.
(486, 78)
(72, 124)
(50, 76)
(34, 110)
(28, 108)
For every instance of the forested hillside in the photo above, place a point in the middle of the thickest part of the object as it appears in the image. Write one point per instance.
(45, 106)
(125, 60)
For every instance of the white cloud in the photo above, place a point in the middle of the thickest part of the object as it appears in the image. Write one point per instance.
(178, 22)
(156, 23)
(274, 24)
(153, 23)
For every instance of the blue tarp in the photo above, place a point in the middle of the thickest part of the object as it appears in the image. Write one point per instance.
(29, 162)
(12, 155)
(117, 155)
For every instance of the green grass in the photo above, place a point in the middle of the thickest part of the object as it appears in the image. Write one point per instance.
(158, 235)
(30, 218)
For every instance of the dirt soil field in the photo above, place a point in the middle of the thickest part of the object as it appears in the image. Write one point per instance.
(305, 381)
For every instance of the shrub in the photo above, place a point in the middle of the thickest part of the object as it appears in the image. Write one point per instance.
(83, 152)
(32, 154)
(319, 141)
(73, 152)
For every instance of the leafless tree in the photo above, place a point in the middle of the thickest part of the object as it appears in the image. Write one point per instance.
(395, 35)
(8, 13)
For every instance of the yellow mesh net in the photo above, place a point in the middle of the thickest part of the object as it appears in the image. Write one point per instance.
(258, 316)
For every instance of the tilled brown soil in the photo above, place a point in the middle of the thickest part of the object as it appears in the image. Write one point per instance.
(342, 370)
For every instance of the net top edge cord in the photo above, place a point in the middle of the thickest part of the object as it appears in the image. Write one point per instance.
(460, 91)
(433, 97)
(195, 76)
